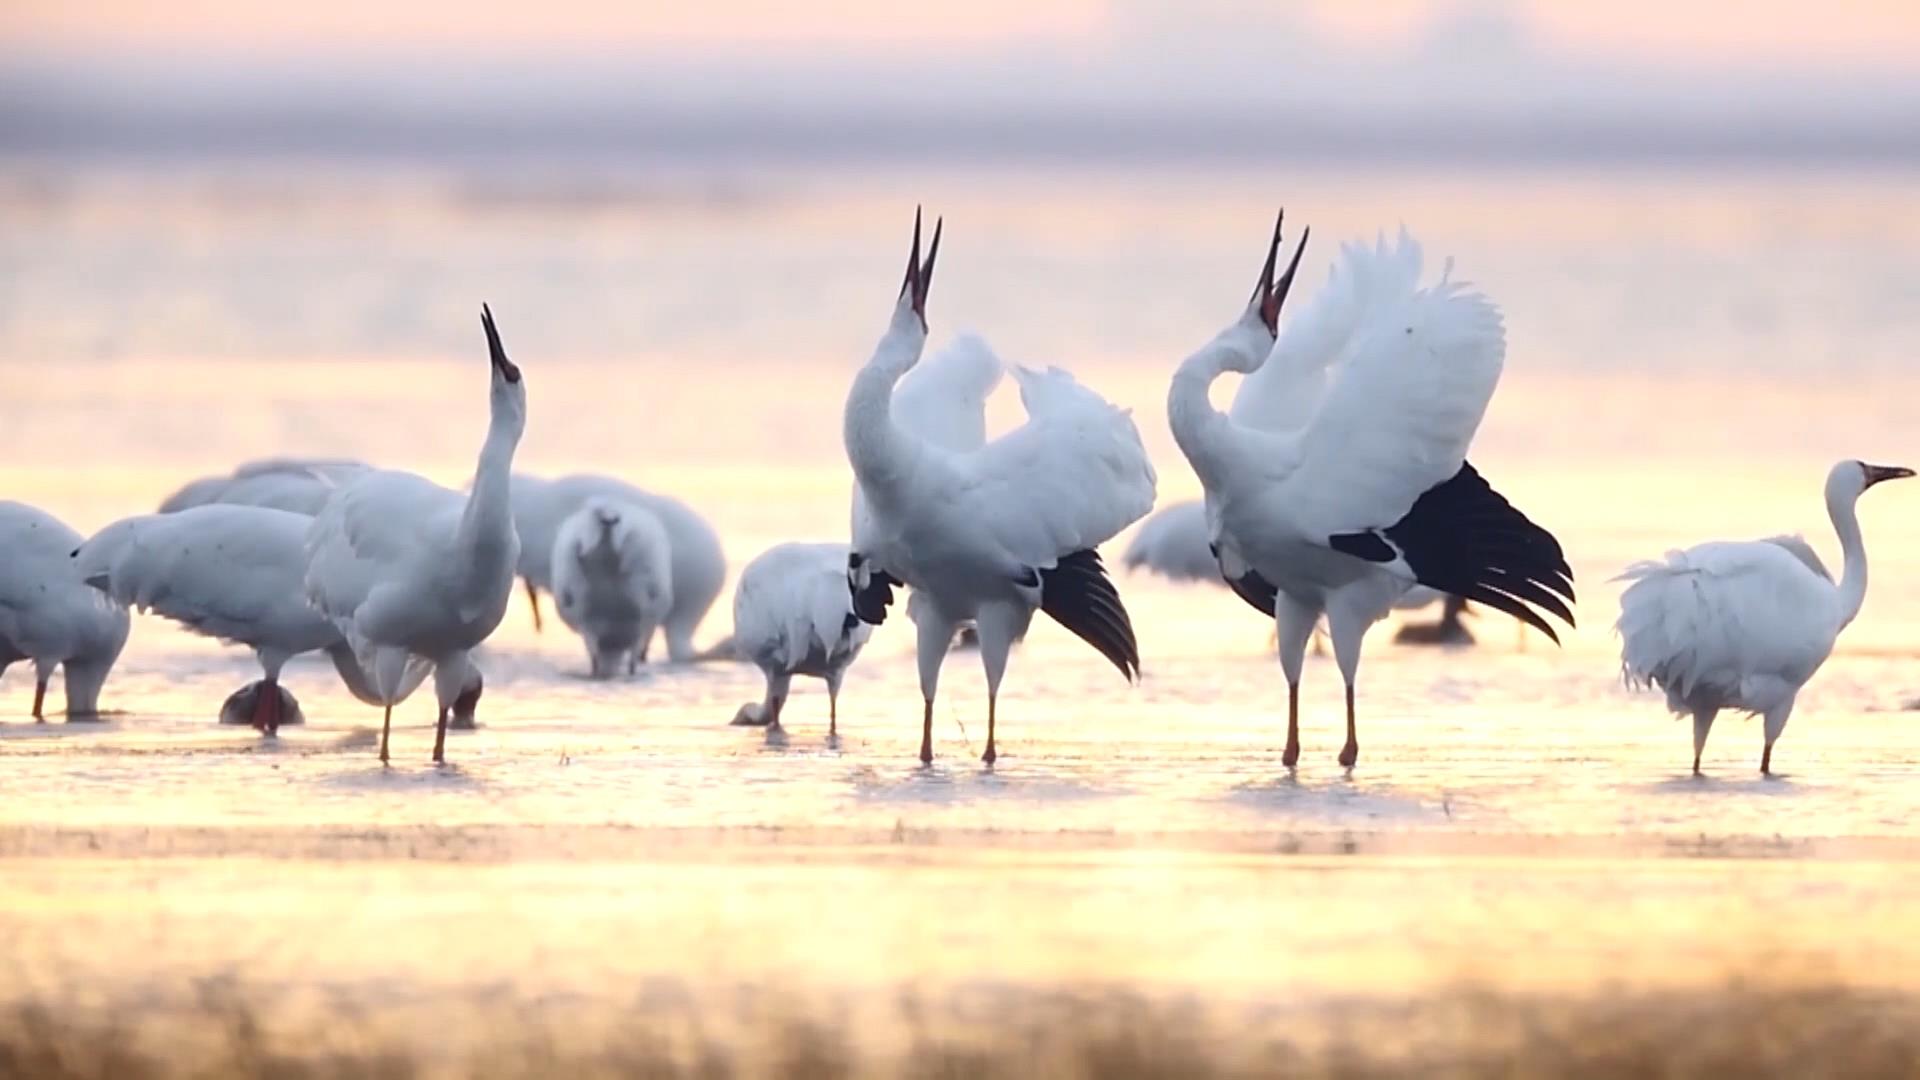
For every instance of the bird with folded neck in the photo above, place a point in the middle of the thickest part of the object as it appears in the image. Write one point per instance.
(613, 580)
(1745, 625)
(416, 575)
(1339, 481)
(996, 533)
(49, 614)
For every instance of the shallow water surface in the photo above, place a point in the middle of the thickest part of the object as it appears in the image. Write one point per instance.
(1518, 819)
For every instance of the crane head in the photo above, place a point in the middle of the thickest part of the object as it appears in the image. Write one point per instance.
(1269, 294)
(920, 274)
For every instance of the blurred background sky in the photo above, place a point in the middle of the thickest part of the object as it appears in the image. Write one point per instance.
(1476, 80)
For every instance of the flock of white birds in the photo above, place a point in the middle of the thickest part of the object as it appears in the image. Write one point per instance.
(1337, 488)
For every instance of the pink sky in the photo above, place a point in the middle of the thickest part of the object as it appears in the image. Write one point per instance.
(1833, 31)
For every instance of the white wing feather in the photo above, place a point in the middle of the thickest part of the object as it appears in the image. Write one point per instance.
(1070, 478)
(792, 601)
(301, 485)
(230, 572)
(369, 532)
(1284, 392)
(1400, 413)
(944, 399)
(1798, 547)
(1723, 620)
(46, 611)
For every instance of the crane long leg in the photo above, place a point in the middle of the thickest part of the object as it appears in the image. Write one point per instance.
(1294, 624)
(386, 728)
(1290, 757)
(933, 633)
(926, 734)
(1702, 724)
(533, 601)
(1775, 722)
(440, 738)
(39, 699)
(1350, 753)
(999, 625)
(991, 755)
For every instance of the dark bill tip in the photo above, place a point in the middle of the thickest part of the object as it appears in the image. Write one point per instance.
(496, 352)
(1877, 473)
(926, 271)
(909, 286)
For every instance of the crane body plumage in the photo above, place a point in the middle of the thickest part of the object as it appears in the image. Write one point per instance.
(612, 581)
(1745, 625)
(793, 615)
(415, 574)
(231, 572)
(994, 533)
(1173, 542)
(49, 615)
(698, 563)
(1339, 480)
(301, 485)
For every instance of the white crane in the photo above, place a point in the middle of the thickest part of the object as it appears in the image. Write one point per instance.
(301, 485)
(413, 573)
(996, 533)
(51, 617)
(792, 611)
(235, 573)
(699, 565)
(1744, 625)
(1340, 480)
(793, 615)
(612, 581)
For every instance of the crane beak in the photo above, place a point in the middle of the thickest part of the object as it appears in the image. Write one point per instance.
(496, 352)
(1877, 473)
(1269, 294)
(920, 274)
(926, 273)
(910, 286)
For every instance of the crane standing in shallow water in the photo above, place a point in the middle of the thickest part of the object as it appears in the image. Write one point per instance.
(996, 533)
(1340, 479)
(416, 574)
(1744, 625)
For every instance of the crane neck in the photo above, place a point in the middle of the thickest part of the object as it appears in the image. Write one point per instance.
(486, 525)
(1205, 434)
(1841, 506)
(881, 452)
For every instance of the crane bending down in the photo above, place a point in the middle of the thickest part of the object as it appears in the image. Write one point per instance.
(413, 573)
(236, 573)
(51, 617)
(792, 616)
(612, 582)
(698, 563)
(996, 533)
(1340, 479)
(1744, 625)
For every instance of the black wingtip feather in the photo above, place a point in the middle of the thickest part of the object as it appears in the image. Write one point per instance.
(1464, 538)
(1077, 594)
(870, 603)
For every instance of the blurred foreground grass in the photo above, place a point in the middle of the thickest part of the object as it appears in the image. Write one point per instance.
(223, 1028)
